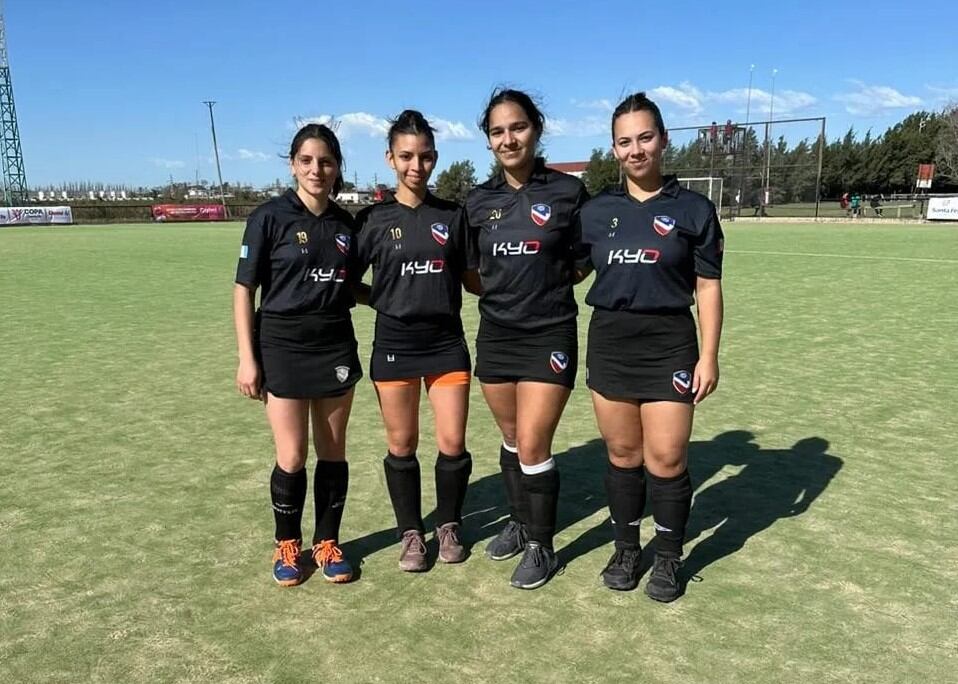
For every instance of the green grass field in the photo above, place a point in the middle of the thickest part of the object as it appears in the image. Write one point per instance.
(136, 531)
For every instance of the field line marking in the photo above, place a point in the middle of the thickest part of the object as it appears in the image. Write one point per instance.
(844, 256)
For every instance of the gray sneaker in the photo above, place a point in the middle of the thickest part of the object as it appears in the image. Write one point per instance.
(412, 554)
(450, 547)
(510, 541)
(536, 567)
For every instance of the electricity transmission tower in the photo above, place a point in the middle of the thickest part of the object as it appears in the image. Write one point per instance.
(14, 177)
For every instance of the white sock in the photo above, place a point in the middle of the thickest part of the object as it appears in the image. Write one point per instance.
(544, 467)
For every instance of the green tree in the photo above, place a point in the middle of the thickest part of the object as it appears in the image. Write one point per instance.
(455, 182)
(601, 172)
(946, 147)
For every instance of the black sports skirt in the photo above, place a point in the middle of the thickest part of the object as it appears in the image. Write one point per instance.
(642, 356)
(405, 349)
(310, 356)
(549, 354)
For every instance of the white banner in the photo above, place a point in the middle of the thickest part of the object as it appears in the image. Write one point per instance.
(942, 208)
(12, 216)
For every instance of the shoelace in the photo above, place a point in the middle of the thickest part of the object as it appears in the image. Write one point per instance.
(412, 537)
(666, 568)
(447, 534)
(624, 557)
(515, 529)
(534, 556)
(327, 552)
(288, 552)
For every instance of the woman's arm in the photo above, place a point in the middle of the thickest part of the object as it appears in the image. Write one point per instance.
(708, 294)
(248, 373)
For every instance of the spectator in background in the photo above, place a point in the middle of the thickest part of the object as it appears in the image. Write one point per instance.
(876, 205)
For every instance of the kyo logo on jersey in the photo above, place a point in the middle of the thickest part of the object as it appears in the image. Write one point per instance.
(324, 275)
(663, 225)
(559, 361)
(541, 213)
(342, 242)
(516, 248)
(682, 381)
(422, 267)
(440, 233)
(634, 256)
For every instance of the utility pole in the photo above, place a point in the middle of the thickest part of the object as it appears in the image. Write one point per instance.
(216, 153)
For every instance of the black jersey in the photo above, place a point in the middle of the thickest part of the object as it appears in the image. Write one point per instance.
(523, 240)
(304, 263)
(417, 255)
(646, 255)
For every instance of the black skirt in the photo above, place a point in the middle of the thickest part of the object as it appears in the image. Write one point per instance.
(549, 354)
(642, 356)
(310, 356)
(405, 349)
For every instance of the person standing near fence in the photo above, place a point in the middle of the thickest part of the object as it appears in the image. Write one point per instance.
(655, 248)
(416, 244)
(298, 352)
(521, 221)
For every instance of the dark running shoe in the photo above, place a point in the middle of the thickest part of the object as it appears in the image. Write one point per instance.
(451, 549)
(286, 570)
(510, 541)
(536, 567)
(665, 584)
(622, 571)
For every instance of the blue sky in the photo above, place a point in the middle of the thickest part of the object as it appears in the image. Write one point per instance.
(111, 90)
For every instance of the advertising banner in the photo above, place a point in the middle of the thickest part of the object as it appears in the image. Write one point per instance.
(189, 212)
(942, 208)
(19, 216)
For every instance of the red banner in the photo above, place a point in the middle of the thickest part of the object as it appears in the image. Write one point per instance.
(189, 212)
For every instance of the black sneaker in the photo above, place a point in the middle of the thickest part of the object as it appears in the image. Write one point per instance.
(664, 582)
(622, 571)
(510, 541)
(536, 567)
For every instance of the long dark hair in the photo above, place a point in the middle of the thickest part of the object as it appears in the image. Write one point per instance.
(638, 102)
(528, 105)
(410, 122)
(325, 133)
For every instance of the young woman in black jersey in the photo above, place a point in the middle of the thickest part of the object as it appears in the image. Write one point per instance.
(521, 224)
(655, 248)
(416, 245)
(298, 352)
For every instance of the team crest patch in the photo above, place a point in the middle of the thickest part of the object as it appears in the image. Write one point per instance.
(541, 213)
(342, 372)
(559, 361)
(663, 225)
(342, 243)
(440, 233)
(682, 381)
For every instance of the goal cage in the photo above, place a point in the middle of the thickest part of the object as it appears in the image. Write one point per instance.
(710, 186)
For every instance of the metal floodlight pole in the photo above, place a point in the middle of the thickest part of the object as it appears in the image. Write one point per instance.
(748, 157)
(818, 177)
(768, 140)
(216, 154)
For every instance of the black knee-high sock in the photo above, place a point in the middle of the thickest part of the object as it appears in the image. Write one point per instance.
(452, 479)
(405, 491)
(330, 486)
(512, 479)
(671, 502)
(625, 488)
(288, 494)
(542, 493)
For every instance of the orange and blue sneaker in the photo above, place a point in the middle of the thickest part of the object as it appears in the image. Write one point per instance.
(329, 558)
(286, 570)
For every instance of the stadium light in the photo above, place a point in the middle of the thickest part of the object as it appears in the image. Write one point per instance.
(216, 154)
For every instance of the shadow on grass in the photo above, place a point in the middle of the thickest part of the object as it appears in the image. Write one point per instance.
(771, 484)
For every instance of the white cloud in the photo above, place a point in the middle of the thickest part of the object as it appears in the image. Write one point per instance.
(243, 153)
(943, 95)
(603, 105)
(168, 163)
(450, 130)
(872, 99)
(585, 127)
(685, 96)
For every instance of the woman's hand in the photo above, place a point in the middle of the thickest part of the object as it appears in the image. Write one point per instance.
(248, 379)
(705, 379)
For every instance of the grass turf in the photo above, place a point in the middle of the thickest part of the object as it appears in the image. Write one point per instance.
(135, 523)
